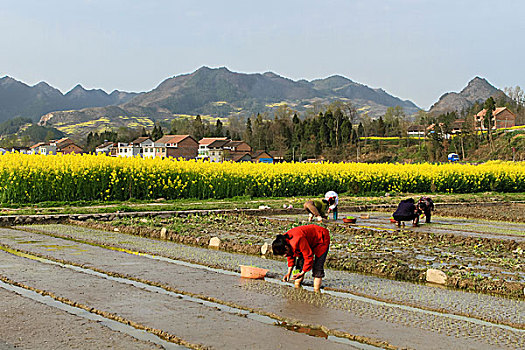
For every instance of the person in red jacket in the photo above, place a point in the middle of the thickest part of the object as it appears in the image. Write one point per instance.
(309, 244)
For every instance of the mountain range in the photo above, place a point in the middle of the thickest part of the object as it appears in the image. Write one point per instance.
(21, 100)
(211, 92)
(220, 91)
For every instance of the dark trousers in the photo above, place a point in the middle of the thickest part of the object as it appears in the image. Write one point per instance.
(428, 215)
(414, 217)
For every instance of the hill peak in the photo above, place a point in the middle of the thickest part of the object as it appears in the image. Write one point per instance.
(76, 90)
(478, 89)
(478, 82)
(9, 81)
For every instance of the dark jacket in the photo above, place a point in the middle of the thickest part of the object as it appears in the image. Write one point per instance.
(406, 208)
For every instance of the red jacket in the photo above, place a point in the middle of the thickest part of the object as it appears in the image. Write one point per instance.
(308, 240)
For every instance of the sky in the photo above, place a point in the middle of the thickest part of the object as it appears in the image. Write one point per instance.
(413, 49)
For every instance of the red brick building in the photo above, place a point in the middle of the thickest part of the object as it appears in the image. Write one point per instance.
(502, 118)
(176, 146)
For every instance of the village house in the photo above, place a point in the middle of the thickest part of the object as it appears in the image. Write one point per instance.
(237, 147)
(219, 149)
(416, 131)
(66, 146)
(62, 146)
(457, 126)
(502, 118)
(261, 157)
(239, 157)
(21, 150)
(108, 148)
(439, 129)
(43, 148)
(216, 150)
(173, 146)
(278, 157)
(134, 148)
(204, 151)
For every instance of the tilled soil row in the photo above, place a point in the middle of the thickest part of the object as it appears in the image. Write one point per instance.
(167, 270)
(160, 333)
(388, 267)
(483, 307)
(32, 321)
(170, 337)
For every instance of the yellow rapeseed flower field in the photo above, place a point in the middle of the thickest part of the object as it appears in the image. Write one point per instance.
(36, 178)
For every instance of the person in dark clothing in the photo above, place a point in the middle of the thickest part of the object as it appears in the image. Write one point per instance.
(407, 211)
(306, 248)
(426, 205)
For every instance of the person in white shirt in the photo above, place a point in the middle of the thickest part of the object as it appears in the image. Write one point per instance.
(332, 198)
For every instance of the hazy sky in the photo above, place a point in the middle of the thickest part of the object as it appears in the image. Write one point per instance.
(413, 49)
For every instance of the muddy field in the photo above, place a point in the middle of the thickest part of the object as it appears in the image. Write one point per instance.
(155, 283)
(480, 255)
(199, 307)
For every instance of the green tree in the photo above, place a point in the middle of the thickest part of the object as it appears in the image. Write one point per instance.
(197, 128)
(381, 129)
(157, 132)
(489, 107)
(346, 131)
(219, 132)
(248, 132)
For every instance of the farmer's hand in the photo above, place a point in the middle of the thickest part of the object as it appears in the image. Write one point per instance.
(286, 277)
(298, 275)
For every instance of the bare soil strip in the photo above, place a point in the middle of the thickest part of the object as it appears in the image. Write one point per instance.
(327, 310)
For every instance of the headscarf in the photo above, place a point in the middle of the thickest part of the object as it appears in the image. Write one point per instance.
(332, 194)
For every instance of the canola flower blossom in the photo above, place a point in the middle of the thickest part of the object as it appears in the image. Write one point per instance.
(37, 178)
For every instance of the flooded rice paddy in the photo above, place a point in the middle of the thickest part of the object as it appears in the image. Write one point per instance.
(473, 260)
(155, 283)
(176, 293)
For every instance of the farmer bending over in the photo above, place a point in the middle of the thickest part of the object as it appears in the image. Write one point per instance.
(309, 244)
(406, 211)
(426, 205)
(318, 208)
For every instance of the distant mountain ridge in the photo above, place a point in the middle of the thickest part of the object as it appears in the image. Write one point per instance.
(219, 92)
(200, 92)
(477, 90)
(18, 99)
